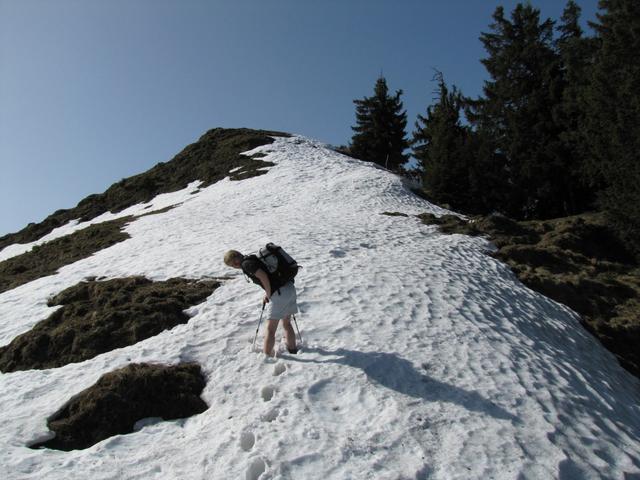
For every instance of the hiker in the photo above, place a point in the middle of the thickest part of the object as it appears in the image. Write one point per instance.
(280, 293)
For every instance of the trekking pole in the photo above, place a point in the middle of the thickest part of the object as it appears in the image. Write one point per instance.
(296, 323)
(259, 322)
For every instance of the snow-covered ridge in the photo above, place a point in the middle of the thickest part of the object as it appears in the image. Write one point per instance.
(424, 357)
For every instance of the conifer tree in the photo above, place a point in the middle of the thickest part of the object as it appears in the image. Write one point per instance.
(515, 118)
(441, 145)
(576, 56)
(611, 125)
(570, 46)
(380, 134)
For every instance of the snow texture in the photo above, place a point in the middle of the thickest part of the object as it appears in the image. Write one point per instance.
(424, 358)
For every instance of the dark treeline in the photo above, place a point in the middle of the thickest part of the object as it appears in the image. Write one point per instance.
(555, 133)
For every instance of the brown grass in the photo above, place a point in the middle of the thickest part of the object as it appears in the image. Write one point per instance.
(120, 398)
(47, 258)
(100, 316)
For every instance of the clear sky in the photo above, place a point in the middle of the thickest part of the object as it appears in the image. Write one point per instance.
(93, 91)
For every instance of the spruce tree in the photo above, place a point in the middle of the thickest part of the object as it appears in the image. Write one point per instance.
(611, 125)
(515, 119)
(380, 128)
(574, 64)
(576, 56)
(441, 145)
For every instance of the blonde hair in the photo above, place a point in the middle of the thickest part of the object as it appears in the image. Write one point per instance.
(231, 255)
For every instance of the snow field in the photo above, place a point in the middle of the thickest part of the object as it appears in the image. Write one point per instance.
(423, 356)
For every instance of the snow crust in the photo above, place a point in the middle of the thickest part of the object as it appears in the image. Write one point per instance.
(424, 358)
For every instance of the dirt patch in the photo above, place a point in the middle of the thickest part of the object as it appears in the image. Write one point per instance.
(577, 261)
(120, 398)
(394, 214)
(47, 258)
(210, 159)
(100, 316)
(159, 211)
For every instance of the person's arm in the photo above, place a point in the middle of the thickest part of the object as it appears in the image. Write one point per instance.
(264, 279)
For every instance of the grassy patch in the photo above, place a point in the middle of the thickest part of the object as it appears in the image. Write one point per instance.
(577, 261)
(251, 168)
(209, 159)
(100, 316)
(120, 398)
(47, 258)
(157, 212)
(394, 214)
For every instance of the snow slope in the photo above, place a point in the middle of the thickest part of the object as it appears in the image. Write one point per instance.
(423, 357)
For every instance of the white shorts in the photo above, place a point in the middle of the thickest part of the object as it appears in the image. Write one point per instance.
(283, 302)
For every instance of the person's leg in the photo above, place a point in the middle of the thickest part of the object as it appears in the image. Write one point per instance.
(290, 335)
(270, 337)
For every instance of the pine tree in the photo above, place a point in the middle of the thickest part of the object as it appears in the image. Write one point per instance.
(574, 64)
(611, 127)
(515, 117)
(380, 128)
(441, 145)
(576, 56)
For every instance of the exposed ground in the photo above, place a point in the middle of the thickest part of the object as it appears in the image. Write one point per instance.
(210, 159)
(99, 316)
(121, 398)
(47, 258)
(576, 261)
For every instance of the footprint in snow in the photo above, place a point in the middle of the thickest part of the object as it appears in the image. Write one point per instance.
(267, 393)
(337, 253)
(279, 369)
(270, 416)
(256, 468)
(247, 440)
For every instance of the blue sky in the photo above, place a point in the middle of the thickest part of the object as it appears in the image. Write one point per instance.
(95, 91)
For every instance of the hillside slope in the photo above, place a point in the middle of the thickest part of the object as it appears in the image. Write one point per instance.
(205, 162)
(423, 356)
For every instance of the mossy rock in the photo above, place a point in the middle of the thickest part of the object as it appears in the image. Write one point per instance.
(100, 316)
(120, 398)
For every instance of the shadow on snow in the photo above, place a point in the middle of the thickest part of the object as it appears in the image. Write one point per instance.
(394, 372)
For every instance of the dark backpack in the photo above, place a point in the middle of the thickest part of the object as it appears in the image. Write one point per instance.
(280, 266)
